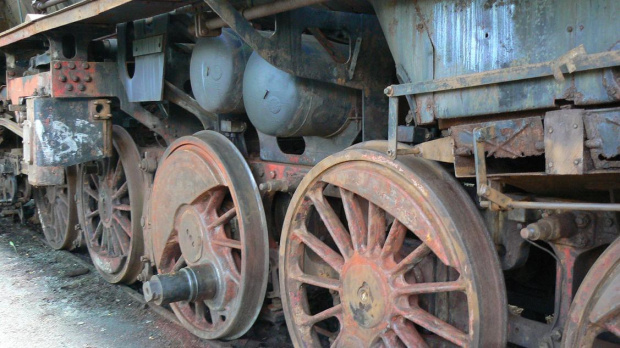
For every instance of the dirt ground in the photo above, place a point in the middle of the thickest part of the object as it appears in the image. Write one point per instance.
(49, 299)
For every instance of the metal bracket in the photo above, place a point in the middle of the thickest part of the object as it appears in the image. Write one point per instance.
(392, 128)
(498, 199)
(99, 109)
(354, 56)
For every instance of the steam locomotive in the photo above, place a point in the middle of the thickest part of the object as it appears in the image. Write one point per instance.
(429, 173)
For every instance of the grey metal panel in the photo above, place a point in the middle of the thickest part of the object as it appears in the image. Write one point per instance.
(481, 35)
(64, 134)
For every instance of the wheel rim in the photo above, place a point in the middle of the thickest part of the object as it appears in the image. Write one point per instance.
(386, 285)
(213, 216)
(110, 208)
(595, 309)
(57, 212)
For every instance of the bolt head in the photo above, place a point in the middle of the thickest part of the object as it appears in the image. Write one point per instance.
(550, 164)
(550, 130)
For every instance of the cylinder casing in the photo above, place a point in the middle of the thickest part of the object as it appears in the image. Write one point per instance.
(283, 105)
(216, 72)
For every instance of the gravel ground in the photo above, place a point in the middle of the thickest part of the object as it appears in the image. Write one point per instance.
(51, 299)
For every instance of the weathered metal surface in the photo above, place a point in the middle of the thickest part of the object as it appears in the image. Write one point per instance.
(109, 202)
(143, 74)
(63, 134)
(451, 39)
(21, 87)
(595, 307)
(380, 282)
(514, 138)
(602, 130)
(89, 11)
(79, 79)
(564, 142)
(57, 212)
(206, 209)
(280, 104)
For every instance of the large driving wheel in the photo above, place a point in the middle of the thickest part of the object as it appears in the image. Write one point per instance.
(376, 252)
(594, 317)
(209, 237)
(109, 200)
(57, 212)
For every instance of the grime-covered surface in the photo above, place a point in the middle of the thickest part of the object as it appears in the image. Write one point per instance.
(49, 301)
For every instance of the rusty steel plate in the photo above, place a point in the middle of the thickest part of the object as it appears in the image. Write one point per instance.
(376, 252)
(109, 200)
(57, 211)
(206, 210)
(594, 317)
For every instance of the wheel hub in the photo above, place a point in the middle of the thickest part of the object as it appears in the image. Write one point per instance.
(364, 292)
(189, 226)
(105, 204)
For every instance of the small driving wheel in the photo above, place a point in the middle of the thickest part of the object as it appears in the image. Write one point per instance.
(594, 317)
(109, 200)
(388, 253)
(57, 212)
(209, 237)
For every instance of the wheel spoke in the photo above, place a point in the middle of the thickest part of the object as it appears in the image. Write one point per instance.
(223, 219)
(200, 310)
(408, 333)
(395, 239)
(92, 214)
(332, 258)
(412, 260)
(91, 193)
(332, 222)
(376, 226)
(118, 171)
(215, 200)
(430, 288)
(326, 314)
(123, 207)
(123, 222)
(436, 325)
(322, 282)
(355, 218)
(227, 242)
(98, 231)
(179, 264)
(121, 192)
(390, 340)
(122, 238)
(95, 180)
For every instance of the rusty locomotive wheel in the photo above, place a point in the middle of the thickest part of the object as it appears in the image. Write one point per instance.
(109, 200)
(377, 252)
(206, 214)
(594, 316)
(57, 212)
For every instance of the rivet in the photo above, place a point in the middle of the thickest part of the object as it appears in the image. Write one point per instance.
(569, 29)
(57, 65)
(550, 164)
(71, 65)
(81, 87)
(87, 78)
(75, 78)
(550, 130)
(69, 87)
(575, 126)
(85, 65)
(576, 162)
(62, 78)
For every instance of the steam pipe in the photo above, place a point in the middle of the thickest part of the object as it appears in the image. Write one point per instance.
(263, 11)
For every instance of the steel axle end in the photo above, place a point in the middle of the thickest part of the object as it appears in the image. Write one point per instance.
(152, 290)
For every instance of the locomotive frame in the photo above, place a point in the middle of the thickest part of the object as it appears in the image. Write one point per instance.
(378, 173)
